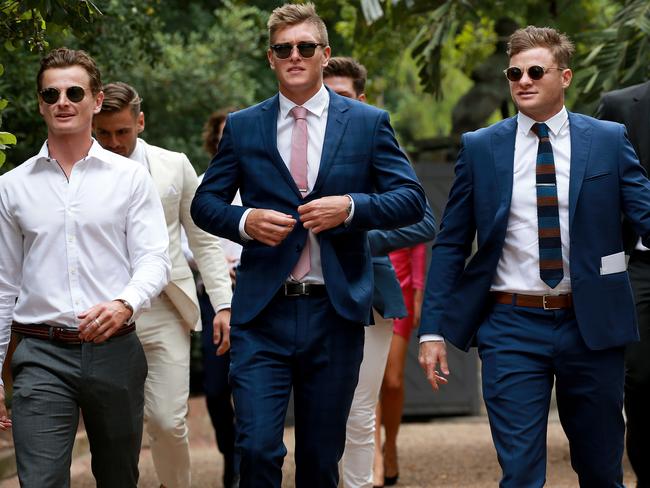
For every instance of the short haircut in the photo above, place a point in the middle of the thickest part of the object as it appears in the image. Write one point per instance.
(531, 37)
(118, 96)
(291, 14)
(347, 68)
(211, 134)
(64, 58)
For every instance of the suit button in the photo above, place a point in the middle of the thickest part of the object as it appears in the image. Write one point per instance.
(298, 248)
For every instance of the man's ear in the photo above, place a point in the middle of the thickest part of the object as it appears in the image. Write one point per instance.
(140, 122)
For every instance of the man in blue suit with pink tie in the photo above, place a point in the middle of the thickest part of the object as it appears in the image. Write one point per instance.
(546, 297)
(315, 171)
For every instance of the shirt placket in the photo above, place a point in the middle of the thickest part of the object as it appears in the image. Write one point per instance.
(71, 239)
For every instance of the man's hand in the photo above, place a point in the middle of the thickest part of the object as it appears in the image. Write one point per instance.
(100, 321)
(5, 422)
(221, 331)
(324, 213)
(432, 353)
(268, 226)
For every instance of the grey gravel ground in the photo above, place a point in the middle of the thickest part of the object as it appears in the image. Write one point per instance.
(442, 453)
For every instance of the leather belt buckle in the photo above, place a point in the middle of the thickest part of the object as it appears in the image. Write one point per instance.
(295, 289)
(546, 305)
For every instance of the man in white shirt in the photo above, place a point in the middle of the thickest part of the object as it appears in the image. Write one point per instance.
(315, 171)
(84, 250)
(164, 330)
(546, 297)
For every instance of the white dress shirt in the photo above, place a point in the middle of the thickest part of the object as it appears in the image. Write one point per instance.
(70, 244)
(518, 267)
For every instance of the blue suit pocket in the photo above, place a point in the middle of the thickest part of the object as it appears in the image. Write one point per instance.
(596, 176)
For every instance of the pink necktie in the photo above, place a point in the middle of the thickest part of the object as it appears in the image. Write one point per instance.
(298, 168)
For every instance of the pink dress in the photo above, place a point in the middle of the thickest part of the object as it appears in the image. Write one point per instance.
(409, 264)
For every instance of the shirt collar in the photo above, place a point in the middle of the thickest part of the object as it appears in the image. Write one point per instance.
(139, 153)
(554, 124)
(95, 151)
(316, 105)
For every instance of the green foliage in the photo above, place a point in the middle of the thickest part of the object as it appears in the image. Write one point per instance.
(616, 56)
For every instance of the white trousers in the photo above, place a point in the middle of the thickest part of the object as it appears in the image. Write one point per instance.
(356, 464)
(166, 343)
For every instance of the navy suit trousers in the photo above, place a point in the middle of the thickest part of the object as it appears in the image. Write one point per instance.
(299, 343)
(523, 351)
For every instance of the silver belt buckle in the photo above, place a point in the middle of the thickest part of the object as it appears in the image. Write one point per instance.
(302, 289)
(547, 307)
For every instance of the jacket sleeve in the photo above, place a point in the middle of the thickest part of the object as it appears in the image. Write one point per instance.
(206, 248)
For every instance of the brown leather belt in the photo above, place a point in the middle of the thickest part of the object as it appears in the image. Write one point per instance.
(547, 302)
(60, 334)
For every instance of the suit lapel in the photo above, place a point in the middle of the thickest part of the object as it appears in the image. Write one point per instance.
(337, 120)
(580, 147)
(503, 143)
(156, 169)
(269, 131)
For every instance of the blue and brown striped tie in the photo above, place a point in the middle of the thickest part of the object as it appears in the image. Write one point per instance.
(548, 217)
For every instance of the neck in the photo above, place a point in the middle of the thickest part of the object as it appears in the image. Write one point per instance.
(300, 97)
(68, 149)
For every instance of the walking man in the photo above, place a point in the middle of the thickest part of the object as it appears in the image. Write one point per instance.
(315, 171)
(546, 296)
(164, 330)
(84, 250)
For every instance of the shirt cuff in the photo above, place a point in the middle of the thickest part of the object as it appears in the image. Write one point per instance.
(431, 338)
(221, 306)
(242, 226)
(349, 218)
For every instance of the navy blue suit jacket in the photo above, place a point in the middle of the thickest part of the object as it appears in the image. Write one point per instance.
(388, 299)
(360, 158)
(606, 180)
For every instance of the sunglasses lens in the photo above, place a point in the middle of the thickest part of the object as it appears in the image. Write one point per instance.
(307, 50)
(50, 95)
(75, 94)
(513, 73)
(535, 72)
(282, 51)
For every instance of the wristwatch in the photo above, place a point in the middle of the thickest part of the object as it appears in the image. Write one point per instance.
(128, 306)
(348, 210)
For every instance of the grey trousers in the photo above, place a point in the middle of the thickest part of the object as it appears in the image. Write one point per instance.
(52, 383)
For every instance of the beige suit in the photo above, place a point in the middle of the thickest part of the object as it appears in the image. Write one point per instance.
(165, 329)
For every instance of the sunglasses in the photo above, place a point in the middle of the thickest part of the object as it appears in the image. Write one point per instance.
(306, 49)
(73, 93)
(535, 72)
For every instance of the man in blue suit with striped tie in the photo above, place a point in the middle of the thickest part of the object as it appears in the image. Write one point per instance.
(546, 297)
(315, 171)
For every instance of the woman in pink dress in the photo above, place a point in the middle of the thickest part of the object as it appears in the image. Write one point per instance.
(409, 264)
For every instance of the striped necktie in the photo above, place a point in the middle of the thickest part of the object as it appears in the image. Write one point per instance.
(548, 218)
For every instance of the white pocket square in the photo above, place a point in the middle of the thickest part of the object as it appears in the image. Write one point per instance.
(614, 263)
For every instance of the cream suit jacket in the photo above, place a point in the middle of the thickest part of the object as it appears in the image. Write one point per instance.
(176, 182)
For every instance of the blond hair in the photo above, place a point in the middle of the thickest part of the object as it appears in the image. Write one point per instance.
(291, 14)
(531, 37)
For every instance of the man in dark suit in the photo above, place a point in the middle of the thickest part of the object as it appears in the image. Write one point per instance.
(546, 296)
(631, 106)
(315, 171)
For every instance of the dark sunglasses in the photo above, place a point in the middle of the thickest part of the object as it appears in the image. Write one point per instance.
(306, 49)
(73, 93)
(535, 72)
